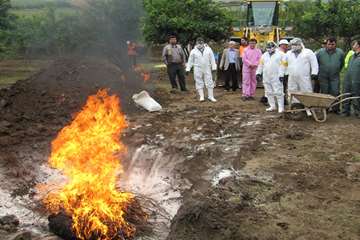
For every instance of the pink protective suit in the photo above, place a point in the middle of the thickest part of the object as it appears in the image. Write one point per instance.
(250, 57)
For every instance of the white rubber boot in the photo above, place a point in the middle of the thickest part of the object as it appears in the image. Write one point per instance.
(280, 101)
(201, 95)
(211, 95)
(271, 101)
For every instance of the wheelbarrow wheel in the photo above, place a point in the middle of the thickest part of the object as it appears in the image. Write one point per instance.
(297, 116)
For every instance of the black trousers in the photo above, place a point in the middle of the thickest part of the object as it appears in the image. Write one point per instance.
(231, 74)
(240, 74)
(176, 70)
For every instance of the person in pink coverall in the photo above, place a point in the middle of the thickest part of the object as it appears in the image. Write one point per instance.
(251, 59)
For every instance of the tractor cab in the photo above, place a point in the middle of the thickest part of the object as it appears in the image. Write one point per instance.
(262, 13)
(262, 22)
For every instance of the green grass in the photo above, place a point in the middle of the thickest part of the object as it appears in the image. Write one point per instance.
(30, 8)
(8, 79)
(38, 3)
(28, 12)
(12, 71)
(356, 158)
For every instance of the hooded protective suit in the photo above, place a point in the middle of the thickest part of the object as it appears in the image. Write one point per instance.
(269, 67)
(203, 63)
(300, 64)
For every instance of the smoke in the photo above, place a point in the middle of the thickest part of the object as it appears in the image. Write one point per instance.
(110, 24)
(79, 3)
(98, 29)
(84, 28)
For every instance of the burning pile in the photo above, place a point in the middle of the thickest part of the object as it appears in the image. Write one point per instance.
(87, 152)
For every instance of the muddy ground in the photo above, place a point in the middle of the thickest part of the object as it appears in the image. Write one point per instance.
(225, 170)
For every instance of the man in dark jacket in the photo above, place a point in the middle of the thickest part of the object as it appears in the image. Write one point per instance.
(174, 58)
(331, 61)
(352, 82)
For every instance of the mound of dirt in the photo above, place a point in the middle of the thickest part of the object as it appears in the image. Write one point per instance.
(41, 105)
(222, 213)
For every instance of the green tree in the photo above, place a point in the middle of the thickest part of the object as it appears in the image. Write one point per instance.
(319, 19)
(5, 26)
(4, 14)
(188, 19)
(96, 27)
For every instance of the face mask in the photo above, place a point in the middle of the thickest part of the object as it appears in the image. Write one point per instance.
(296, 48)
(201, 46)
(270, 50)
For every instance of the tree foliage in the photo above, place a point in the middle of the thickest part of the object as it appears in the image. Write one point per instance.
(96, 26)
(5, 25)
(188, 19)
(4, 13)
(319, 19)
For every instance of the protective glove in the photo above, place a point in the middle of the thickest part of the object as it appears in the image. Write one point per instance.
(314, 77)
(281, 79)
(258, 77)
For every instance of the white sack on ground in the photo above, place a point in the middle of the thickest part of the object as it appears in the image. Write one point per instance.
(144, 100)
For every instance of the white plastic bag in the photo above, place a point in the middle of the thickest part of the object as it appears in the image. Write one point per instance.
(144, 100)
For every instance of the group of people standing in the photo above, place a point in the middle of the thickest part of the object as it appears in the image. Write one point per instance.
(282, 67)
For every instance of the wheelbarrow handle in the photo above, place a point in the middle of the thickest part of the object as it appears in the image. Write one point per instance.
(342, 95)
(343, 100)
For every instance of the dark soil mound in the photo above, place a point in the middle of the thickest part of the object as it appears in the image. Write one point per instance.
(41, 105)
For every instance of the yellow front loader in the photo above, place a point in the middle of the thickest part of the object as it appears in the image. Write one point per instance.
(262, 22)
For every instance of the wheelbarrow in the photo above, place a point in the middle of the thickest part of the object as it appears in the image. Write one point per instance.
(316, 105)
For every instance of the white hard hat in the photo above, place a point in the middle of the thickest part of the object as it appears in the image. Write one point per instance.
(284, 41)
(232, 42)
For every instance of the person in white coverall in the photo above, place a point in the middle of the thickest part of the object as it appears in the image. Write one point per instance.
(301, 65)
(269, 68)
(203, 60)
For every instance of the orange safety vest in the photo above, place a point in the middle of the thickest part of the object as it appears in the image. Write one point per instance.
(242, 49)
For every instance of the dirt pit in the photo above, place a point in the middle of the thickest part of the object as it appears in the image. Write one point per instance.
(224, 170)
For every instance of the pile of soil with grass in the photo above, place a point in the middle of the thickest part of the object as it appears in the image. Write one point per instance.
(39, 106)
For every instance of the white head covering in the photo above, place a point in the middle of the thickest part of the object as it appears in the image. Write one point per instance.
(284, 41)
(297, 44)
(296, 41)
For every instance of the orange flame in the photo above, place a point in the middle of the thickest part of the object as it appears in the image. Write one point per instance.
(85, 151)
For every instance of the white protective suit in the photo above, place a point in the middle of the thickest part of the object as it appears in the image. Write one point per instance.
(300, 68)
(270, 66)
(203, 64)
